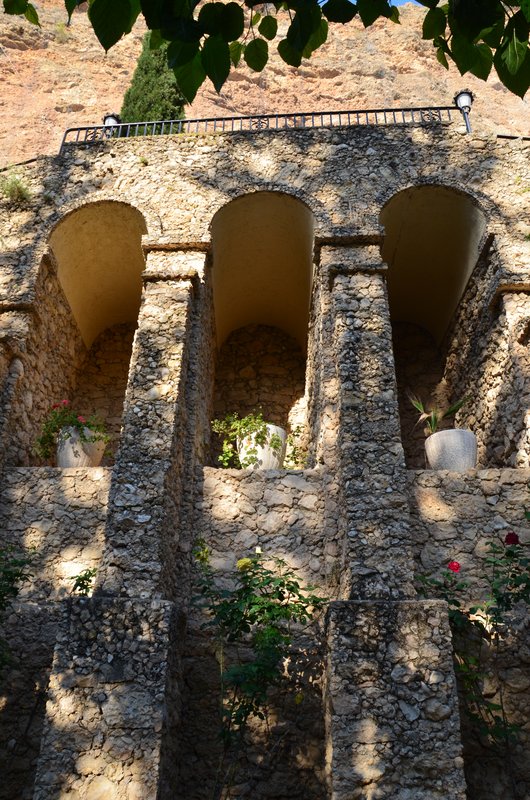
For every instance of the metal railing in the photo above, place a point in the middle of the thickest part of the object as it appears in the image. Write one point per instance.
(255, 123)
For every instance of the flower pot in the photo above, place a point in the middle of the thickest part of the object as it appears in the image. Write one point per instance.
(263, 456)
(73, 452)
(454, 450)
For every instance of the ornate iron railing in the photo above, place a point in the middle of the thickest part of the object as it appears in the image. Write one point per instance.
(259, 122)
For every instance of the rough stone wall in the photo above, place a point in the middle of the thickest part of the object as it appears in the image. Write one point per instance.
(60, 514)
(390, 684)
(419, 371)
(105, 706)
(260, 367)
(50, 355)
(454, 516)
(292, 515)
(102, 380)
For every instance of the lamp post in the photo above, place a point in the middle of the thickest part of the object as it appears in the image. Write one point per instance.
(463, 101)
(111, 121)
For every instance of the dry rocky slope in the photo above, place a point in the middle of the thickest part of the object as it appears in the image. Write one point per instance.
(58, 77)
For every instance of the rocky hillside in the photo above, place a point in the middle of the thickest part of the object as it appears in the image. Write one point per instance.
(58, 77)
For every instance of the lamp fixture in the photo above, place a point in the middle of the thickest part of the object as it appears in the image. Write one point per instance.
(463, 100)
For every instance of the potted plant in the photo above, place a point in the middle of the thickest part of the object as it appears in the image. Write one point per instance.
(453, 449)
(78, 441)
(250, 442)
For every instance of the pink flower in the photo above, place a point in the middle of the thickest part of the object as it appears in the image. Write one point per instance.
(454, 566)
(81, 419)
(64, 402)
(511, 538)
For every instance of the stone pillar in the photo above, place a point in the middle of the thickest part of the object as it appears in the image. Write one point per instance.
(513, 411)
(392, 723)
(145, 485)
(114, 683)
(378, 562)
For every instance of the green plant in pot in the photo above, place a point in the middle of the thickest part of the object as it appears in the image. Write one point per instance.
(453, 449)
(79, 441)
(250, 441)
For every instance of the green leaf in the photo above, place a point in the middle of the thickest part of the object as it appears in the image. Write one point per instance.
(463, 53)
(216, 61)
(31, 15)
(71, 6)
(429, 3)
(190, 77)
(15, 6)
(155, 40)
(525, 8)
(434, 24)
(370, 10)
(180, 53)
(518, 83)
(256, 54)
(223, 20)
(317, 39)
(441, 57)
(268, 27)
(515, 45)
(339, 11)
(483, 63)
(112, 19)
(305, 23)
(255, 18)
(471, 17)
(236, 51)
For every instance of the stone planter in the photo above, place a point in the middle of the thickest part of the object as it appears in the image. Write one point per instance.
(455, 450)
(266, 457)
(72, 452)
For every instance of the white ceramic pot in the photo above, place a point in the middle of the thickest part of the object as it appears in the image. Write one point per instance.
(266, 457)
(72, 452)
(454, 449)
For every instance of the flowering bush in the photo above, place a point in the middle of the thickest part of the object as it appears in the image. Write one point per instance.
(479, 631)
(62, 415)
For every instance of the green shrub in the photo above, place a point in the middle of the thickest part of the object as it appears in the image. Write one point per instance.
(13, 188)
(153, 93)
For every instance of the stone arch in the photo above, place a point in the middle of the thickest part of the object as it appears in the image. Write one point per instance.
(434, 235)
(262, 247)
(98, 253)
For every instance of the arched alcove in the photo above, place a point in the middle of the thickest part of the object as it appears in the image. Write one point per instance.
(97, 252)
(263, 264)
(262, 276)
(432, 243)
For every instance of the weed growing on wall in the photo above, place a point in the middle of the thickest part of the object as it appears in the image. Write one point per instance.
(478, 633)
(83, 582)
(14, 189)
(255, 616)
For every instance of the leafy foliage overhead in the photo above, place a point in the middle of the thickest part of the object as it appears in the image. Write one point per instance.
(209, 39)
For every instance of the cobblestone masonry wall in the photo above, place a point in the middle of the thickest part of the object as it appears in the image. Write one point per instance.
(292, 515)
(61, 514)
(261, 367)
(102, 380)
(50, 355)
(345, 176)
(454, 516)
(390, 684)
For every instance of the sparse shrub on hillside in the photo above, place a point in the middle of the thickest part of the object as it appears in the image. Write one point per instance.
(153, 93)
(14, 189)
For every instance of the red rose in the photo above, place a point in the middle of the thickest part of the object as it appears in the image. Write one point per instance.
(56, 405)
(64, 402)
(511, 538)
(454, 566)
(81, 419)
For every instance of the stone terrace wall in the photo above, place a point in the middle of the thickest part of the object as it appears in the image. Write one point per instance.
(102, 380)
(454, 516)
(292, 515)
(60, 513)
(261, 367)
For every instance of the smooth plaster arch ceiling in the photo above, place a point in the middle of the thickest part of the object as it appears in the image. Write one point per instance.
(431, 246)
(263, 264)
(98, 250)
